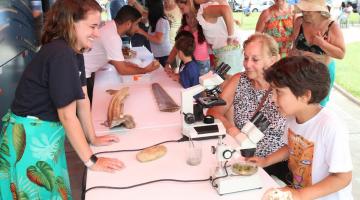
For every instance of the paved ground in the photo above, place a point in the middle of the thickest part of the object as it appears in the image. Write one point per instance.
(350, 113)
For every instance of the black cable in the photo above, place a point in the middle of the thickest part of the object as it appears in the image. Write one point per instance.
(83, 184)
(226, 174)
(145, 183)
(129, 150)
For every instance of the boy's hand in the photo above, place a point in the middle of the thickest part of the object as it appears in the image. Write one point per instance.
(168, 68)
(296, 194)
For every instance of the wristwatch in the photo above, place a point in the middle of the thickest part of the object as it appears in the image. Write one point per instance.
(91, 161)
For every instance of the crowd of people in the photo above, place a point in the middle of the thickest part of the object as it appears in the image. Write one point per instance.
(285, 71)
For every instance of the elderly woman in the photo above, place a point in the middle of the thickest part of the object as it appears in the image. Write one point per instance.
(248, 92)
(277, 21)
(316, 35)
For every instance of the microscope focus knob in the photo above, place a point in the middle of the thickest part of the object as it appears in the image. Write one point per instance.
(189, 118)
(227, 154)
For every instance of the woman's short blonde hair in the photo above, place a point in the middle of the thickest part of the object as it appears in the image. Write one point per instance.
(60, 19)
(268, 43)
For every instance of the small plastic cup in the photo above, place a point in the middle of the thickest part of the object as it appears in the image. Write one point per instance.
(194, 154)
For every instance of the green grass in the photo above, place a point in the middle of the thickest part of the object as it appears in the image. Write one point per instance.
(247, 22)
(354, 18)
(348, 70)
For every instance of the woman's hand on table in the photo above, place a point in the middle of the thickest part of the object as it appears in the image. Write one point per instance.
(104, 140)
(107, 165)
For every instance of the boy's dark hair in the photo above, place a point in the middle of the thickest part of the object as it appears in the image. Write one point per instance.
(184, 41)
(300, 74)
(127, 13)
(184, 34)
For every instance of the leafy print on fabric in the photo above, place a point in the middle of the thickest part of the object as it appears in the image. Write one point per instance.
(42, 175)
(28, 188)
(47, 148)
(19, 140)
(4, 163)
(63, 191)
(18, 195)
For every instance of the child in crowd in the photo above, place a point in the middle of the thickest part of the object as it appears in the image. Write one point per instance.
(189, 71)
(317, 143)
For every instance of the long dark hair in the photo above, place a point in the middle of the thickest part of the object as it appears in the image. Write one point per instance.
(201, 36)
(156, 11)
(60, 19)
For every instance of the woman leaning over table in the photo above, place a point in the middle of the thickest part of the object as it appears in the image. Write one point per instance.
(51, 101)
(277, 21)
(244, 93)
(189, 23)
(216, 20)
(317, 36)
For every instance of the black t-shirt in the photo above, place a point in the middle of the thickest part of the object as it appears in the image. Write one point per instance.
(52, 80)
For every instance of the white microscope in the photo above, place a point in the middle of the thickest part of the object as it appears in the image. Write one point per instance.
(225, 179)
(194, 124)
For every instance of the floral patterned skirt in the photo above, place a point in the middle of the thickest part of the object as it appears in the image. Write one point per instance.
(32, 159)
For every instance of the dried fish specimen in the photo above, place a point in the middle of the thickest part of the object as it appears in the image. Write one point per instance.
(164, 101)
(115, 115)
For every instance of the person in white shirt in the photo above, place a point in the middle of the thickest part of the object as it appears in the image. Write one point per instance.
(317, 141)
(216, 20)
(108, 47)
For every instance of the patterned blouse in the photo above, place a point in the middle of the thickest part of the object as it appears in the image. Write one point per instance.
(246, 101)
(280, 28)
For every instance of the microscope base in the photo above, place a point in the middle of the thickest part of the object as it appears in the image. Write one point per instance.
(232, 184)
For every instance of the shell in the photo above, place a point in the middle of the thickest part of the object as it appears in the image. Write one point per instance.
(115, 114)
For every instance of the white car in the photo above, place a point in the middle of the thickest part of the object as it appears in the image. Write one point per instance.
(259, 6)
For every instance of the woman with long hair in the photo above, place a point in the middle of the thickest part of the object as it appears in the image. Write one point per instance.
(50, 102)
(189, 23)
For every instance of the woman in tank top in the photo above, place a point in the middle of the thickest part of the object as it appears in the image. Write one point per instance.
(277, 21)
(317, 36)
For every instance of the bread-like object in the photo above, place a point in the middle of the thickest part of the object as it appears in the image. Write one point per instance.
(151, 153)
